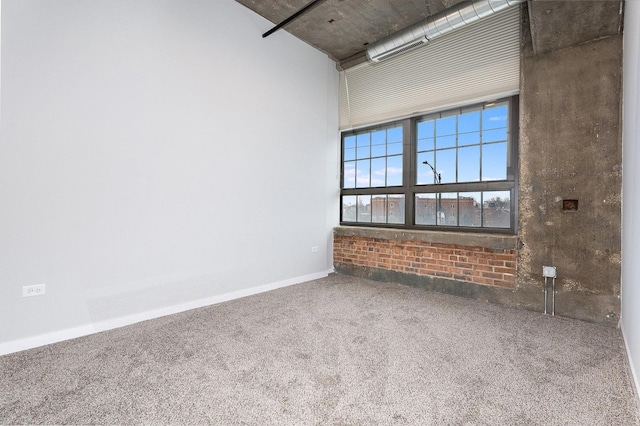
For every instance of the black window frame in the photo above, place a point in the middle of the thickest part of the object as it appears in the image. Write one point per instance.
(410, 188)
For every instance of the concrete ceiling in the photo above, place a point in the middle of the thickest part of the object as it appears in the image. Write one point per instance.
(343, 28)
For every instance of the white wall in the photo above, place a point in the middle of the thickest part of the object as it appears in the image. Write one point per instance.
(631, 188)
(156, 155)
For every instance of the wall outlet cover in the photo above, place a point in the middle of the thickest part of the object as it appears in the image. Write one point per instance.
(34, 290)
(549, 271)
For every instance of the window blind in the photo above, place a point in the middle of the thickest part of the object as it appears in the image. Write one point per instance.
(475, 63)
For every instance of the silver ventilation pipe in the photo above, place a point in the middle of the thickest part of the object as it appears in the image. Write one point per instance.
(435, 26)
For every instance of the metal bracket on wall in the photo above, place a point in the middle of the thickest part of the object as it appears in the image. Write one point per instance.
(550, 272)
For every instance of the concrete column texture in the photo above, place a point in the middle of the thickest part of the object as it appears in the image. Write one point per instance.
(571, 149)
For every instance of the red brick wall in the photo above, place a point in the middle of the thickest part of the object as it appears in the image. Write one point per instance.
(478, 265)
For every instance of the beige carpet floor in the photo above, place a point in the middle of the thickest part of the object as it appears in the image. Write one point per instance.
(340, 350)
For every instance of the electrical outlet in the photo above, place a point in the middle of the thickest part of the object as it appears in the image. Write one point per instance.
(34, 290)
(314, 249)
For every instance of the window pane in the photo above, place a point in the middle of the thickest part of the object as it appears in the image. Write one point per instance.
(350, 142)
(395, 209)
(378, 150)
(394, 134)
(447, 205)
(469, 138)
(349, 208)
(494, 117)
(362, 174)
(469, 122)
(425, 209)
(494, 124)
(469, 164)
(469, 210)
(494, 161)
(364, 152)
(425, 175)
(496, 209)
(494, 135)
(426, 129)
(349, 174)
(364, 139)
(364, 208)
(379, 137)
(426, 144)
(446, 126)
(379, 209)
(446, 165)
(378, 171)
(394, 148)
(349, 154)
(394, 170)
(445, 141)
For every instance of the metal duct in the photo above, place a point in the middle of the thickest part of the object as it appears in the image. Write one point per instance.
(435, 26)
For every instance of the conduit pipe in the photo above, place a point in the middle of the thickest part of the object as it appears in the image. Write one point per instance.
(436, 26)
(296, 15)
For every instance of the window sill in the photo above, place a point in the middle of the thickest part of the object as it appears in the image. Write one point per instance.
(491, 241)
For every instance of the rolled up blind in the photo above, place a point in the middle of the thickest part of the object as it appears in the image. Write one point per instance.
(475, 63)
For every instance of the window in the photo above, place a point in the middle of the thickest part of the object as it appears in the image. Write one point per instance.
(373, 158)
(454, 169)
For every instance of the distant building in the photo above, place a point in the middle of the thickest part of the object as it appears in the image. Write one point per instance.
(462, 211)
(391, 208)
(451, 210)
(497, 213)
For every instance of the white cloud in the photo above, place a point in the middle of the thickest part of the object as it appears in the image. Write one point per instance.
(361, 179)
(350, 174)
(389, 171)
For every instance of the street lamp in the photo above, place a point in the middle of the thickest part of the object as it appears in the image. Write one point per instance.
(437, 178)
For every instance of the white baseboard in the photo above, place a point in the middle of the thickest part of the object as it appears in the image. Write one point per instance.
(632, 367)
(72, 333)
